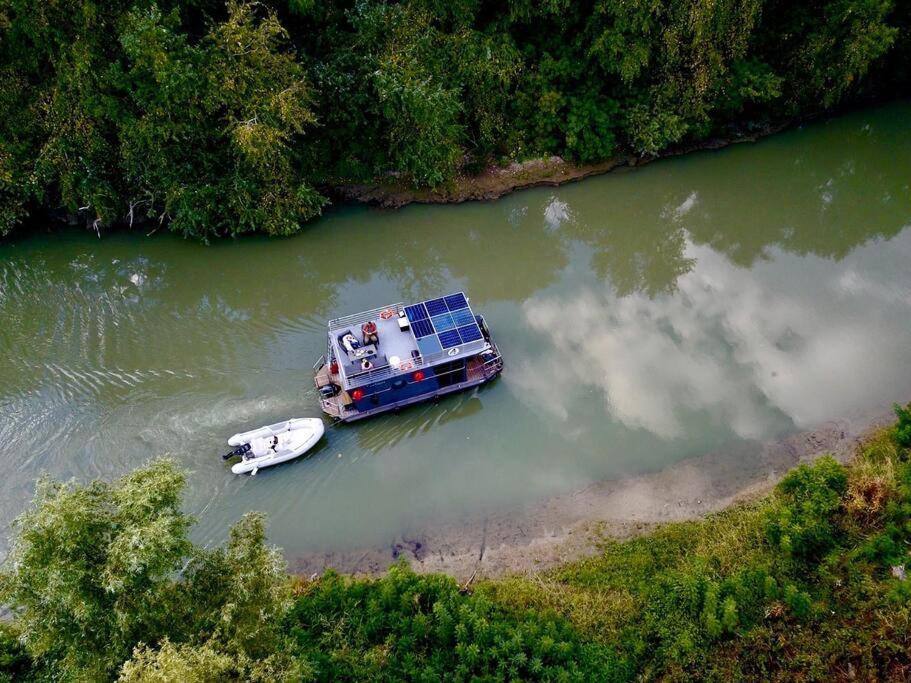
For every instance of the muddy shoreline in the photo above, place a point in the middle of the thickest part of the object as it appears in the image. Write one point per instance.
(497, 181)
(571, 526)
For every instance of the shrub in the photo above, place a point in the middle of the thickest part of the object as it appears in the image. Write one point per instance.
(15, 663)
(90, 567)
(871, 488)
(798, 601)
(93, 574)
(406, 626)
(804, 524)
(902, 429)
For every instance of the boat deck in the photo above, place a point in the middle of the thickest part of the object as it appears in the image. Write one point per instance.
(442, 334)
(394, 342)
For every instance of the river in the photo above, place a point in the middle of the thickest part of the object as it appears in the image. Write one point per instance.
(645, 316)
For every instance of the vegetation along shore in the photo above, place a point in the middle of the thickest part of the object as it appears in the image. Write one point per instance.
(220, 118)
(808, 582)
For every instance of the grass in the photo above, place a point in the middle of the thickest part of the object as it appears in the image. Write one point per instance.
(795, 586)
(600, 595)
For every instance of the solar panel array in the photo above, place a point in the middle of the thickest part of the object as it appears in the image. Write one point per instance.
(444, 323)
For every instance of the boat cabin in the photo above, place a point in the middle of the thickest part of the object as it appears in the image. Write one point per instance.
(396, 355)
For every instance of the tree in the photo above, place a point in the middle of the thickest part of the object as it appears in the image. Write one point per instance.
(90, 570)
(223, 117)
(172, 663)
(177, 664)
(102, 573)
(825, 47)
(240, 592)
(214, 141)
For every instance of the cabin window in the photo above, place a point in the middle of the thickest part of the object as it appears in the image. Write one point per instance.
(450, 373)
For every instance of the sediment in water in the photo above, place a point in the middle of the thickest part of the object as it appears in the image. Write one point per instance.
(573, 525)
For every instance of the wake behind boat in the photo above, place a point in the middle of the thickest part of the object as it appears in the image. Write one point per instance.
(274, 444)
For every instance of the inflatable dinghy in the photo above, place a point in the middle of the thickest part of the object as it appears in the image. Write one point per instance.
(274, 444)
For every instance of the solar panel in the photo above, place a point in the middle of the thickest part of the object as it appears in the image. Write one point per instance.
(443, 322)
(462, 317)
(456, 301)
(416, 312)
(421, 328)
(449, 338)
(469, 333)
(436, 306)
(429, 345)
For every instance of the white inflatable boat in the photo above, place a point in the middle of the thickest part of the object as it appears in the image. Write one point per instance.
(273, 444)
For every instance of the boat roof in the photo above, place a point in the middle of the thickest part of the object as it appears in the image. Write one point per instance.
(430, 332)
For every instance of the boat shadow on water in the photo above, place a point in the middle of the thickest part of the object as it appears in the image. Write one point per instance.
(387, 431)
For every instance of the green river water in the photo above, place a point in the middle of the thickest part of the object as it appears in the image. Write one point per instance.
(645, 316)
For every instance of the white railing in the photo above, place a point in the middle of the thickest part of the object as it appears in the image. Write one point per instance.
(411, 364)
(335, 406)
(365, 316)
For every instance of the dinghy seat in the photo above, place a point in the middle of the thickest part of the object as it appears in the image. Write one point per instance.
(290, 441)
(261, 446)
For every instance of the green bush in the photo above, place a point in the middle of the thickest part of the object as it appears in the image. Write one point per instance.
(902, 430)
(805, 525)
(93, 575)
(410, 627)
(15, 663)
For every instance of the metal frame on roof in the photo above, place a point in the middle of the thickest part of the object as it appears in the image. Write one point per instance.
(443, 323)
(361, 318)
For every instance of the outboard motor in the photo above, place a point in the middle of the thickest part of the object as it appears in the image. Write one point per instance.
(329, 390)
(241, 450)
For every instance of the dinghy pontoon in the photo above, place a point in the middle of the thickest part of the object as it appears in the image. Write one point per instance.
(273, 444)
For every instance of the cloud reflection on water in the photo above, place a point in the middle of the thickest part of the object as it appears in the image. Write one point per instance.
(760, 349)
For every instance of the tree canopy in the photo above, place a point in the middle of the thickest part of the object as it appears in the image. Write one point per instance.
(97, 571)
(221, 117)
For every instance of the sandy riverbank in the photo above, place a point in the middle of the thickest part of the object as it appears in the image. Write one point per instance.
(571, 526)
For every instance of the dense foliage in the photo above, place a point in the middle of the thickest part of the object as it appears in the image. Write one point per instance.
(221, 117)
(805, 584)
(92, 578)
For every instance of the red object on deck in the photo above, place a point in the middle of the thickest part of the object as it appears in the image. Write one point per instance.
(333, 368)
(418, 376)
(357, 394)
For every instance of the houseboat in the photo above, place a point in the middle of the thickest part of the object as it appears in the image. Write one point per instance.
(393, 356)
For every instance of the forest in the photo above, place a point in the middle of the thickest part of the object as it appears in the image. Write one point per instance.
(807, 583)
(219, 118)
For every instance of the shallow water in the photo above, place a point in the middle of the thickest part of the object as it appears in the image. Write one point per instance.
(645, 316)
